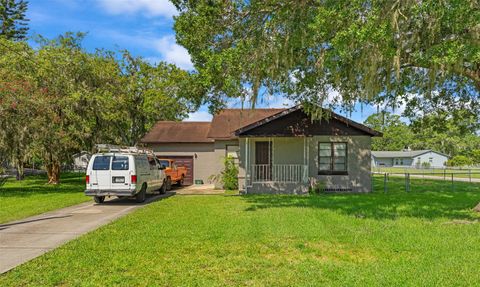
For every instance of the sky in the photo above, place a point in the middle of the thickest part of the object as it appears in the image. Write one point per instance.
(144, 27)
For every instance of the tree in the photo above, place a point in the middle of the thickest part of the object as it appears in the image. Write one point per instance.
(58, 99)
(459, 160)
(152, 93)
(396, 134)
(422, 53)
(19, 104)
(475, 156)
(451, 132)
(76, 87)
(13, 23)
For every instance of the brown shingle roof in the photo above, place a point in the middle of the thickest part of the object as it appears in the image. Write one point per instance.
(178, 132)
(226, 122)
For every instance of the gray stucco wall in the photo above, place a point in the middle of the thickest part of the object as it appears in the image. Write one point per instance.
(288, 150)
(359, 164)
(208, 160)
(437, 160)
(386, 162)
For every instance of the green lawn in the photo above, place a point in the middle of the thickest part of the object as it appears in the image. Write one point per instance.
(19, 199)
(424, 238)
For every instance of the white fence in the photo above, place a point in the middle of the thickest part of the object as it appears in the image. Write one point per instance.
(283, 173)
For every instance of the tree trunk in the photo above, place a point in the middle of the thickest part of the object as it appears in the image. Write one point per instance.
(53, 172)
(20, 170)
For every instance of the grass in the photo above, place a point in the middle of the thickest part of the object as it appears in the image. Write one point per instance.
(32, 196)
(461, 173)
(427, 238)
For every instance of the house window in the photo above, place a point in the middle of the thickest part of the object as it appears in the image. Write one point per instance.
(332, 158)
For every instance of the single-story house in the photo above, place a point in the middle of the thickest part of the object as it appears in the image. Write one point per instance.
(408, 158)
(80, 160)
(278, 150)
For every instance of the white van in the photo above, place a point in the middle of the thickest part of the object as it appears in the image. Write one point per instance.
(124, 174)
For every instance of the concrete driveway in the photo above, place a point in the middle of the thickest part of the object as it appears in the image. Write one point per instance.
(23, 240)
(203, 189)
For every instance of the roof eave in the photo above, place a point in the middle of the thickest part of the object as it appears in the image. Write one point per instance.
(268, 119)
(371, 132)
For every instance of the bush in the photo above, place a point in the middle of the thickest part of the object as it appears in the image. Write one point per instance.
(425, 164)
(317, 188)
(229, 176)
(459, 160)
(475, 155)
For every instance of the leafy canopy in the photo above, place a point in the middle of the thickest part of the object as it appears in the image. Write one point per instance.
(13, 23)
(397, 135)
(422, 53)
(59, 99)
(453, 133)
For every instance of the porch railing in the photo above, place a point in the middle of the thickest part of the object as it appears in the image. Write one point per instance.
(283, 173)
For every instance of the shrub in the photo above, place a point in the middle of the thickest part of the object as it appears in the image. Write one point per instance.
(317, 188)
(229, 175)
(425, 164)
(459, 160)
(475, 155)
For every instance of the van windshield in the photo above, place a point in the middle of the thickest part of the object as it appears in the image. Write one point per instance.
(101, 162)
(120, 163)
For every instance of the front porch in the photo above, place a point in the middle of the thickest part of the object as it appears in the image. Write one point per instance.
(276, 164)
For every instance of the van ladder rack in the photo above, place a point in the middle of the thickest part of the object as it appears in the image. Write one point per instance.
(125, 149)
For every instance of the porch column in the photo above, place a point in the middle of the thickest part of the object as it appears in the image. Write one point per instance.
(306, 159)
(247, 164)
(273, 150)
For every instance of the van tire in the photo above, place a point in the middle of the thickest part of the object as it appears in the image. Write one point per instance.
(163, 189)
(140, 197)
(169, 183)
(99, 199)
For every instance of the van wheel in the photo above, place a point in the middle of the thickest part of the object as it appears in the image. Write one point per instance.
(140, 197)
(99, 199)
(169, 183)
(163, 189)
(180, 182)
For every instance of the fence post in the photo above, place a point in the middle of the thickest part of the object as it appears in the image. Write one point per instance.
(372, 181)
(452, 182)
(409, 183)
(385, 182)
(470, 174)
(444, 174)
(406, 182)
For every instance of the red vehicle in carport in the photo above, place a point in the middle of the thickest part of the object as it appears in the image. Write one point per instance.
(175, 174)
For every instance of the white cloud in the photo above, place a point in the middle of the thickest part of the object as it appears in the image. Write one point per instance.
(173, 53)
(149, 8)
(166, 49)
(199, 116)
(278, 102)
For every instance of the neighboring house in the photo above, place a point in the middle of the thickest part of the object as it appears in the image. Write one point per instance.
(278, 150)
(408, 158)
(80, 160)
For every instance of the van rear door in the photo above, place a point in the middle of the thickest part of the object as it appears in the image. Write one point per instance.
(100, 174)
(121, 171)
